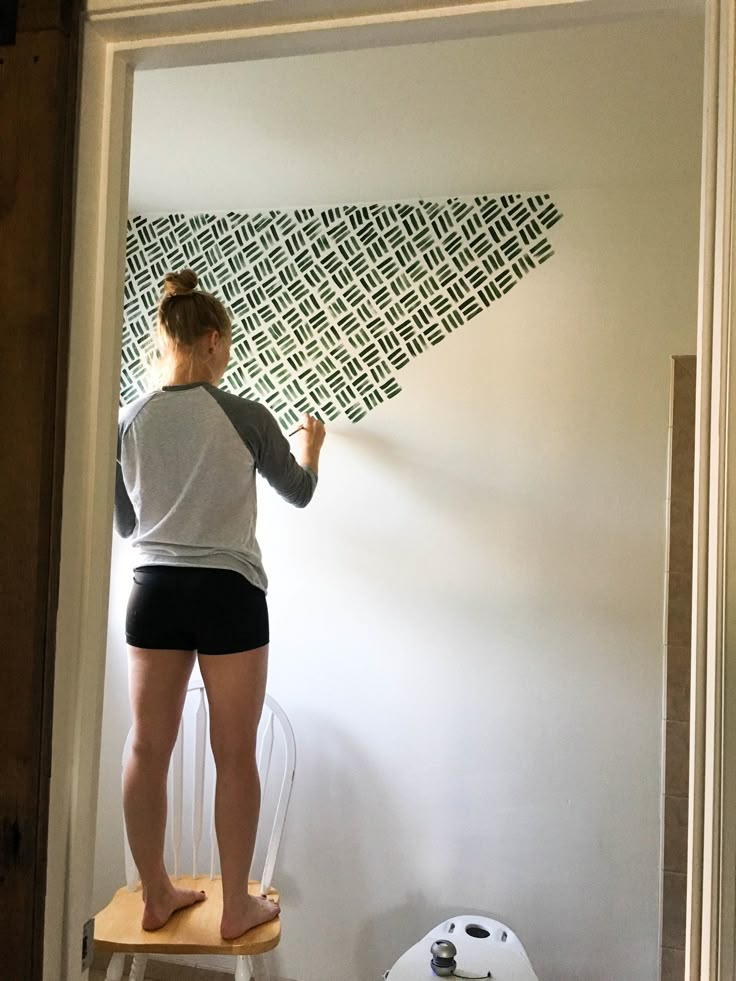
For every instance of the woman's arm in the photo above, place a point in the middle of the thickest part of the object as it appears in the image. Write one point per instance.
(294, 478)
(310, 436)
(123, 515)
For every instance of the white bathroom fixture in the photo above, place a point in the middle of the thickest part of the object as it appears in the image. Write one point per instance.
(474, 947)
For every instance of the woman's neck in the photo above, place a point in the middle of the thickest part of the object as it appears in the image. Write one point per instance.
(188, 373)
(186, 379)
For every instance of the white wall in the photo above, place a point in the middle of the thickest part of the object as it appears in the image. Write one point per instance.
(610, 104)
(467, 621)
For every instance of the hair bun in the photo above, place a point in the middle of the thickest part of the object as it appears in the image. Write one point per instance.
(178, 284)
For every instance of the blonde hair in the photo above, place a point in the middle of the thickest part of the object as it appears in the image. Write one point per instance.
(185, 315)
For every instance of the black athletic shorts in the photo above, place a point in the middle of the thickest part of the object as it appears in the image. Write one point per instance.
(183, 608)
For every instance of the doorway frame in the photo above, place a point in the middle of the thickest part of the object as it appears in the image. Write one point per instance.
(120, 38)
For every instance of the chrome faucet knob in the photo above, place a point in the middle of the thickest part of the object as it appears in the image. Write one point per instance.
(443, 958)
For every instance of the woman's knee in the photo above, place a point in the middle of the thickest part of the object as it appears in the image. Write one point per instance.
(232, 752)
(152, 748)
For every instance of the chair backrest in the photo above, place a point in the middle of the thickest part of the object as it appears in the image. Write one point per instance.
(276, 755)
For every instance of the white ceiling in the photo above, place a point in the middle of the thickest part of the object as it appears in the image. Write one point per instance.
(616, 102)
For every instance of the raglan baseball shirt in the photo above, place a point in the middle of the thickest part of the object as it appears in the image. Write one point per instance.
(185, 490)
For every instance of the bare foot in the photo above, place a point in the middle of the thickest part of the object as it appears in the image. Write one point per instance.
(158, 912)
(250, 912)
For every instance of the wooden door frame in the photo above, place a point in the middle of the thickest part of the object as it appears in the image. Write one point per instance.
(121, 37)
(711, 890)
(38, 76)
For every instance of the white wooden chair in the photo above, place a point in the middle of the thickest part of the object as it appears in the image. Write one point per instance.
(196, 930)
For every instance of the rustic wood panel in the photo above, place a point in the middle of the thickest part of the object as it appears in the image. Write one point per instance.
(677, 663)
(37, 103)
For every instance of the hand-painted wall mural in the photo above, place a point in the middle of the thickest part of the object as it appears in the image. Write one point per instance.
(328, 305)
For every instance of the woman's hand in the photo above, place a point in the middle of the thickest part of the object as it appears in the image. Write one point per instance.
(310, 435)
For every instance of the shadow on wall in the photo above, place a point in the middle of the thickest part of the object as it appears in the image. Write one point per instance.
(334, 777)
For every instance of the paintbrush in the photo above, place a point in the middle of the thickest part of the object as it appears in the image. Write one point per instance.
(295, 431)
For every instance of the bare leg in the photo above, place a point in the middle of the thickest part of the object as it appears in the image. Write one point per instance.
(158, 687)
(236, 686)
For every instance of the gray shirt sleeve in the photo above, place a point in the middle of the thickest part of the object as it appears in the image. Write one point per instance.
(269, 448)
(124, 515)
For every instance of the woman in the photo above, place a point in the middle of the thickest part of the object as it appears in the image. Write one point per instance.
(186, 496)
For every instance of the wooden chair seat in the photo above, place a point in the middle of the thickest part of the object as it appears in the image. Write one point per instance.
(195, 930)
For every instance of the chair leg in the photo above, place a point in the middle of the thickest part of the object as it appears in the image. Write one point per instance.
(138, 967)
(115, 968)
(259, 968)
(243, 968)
